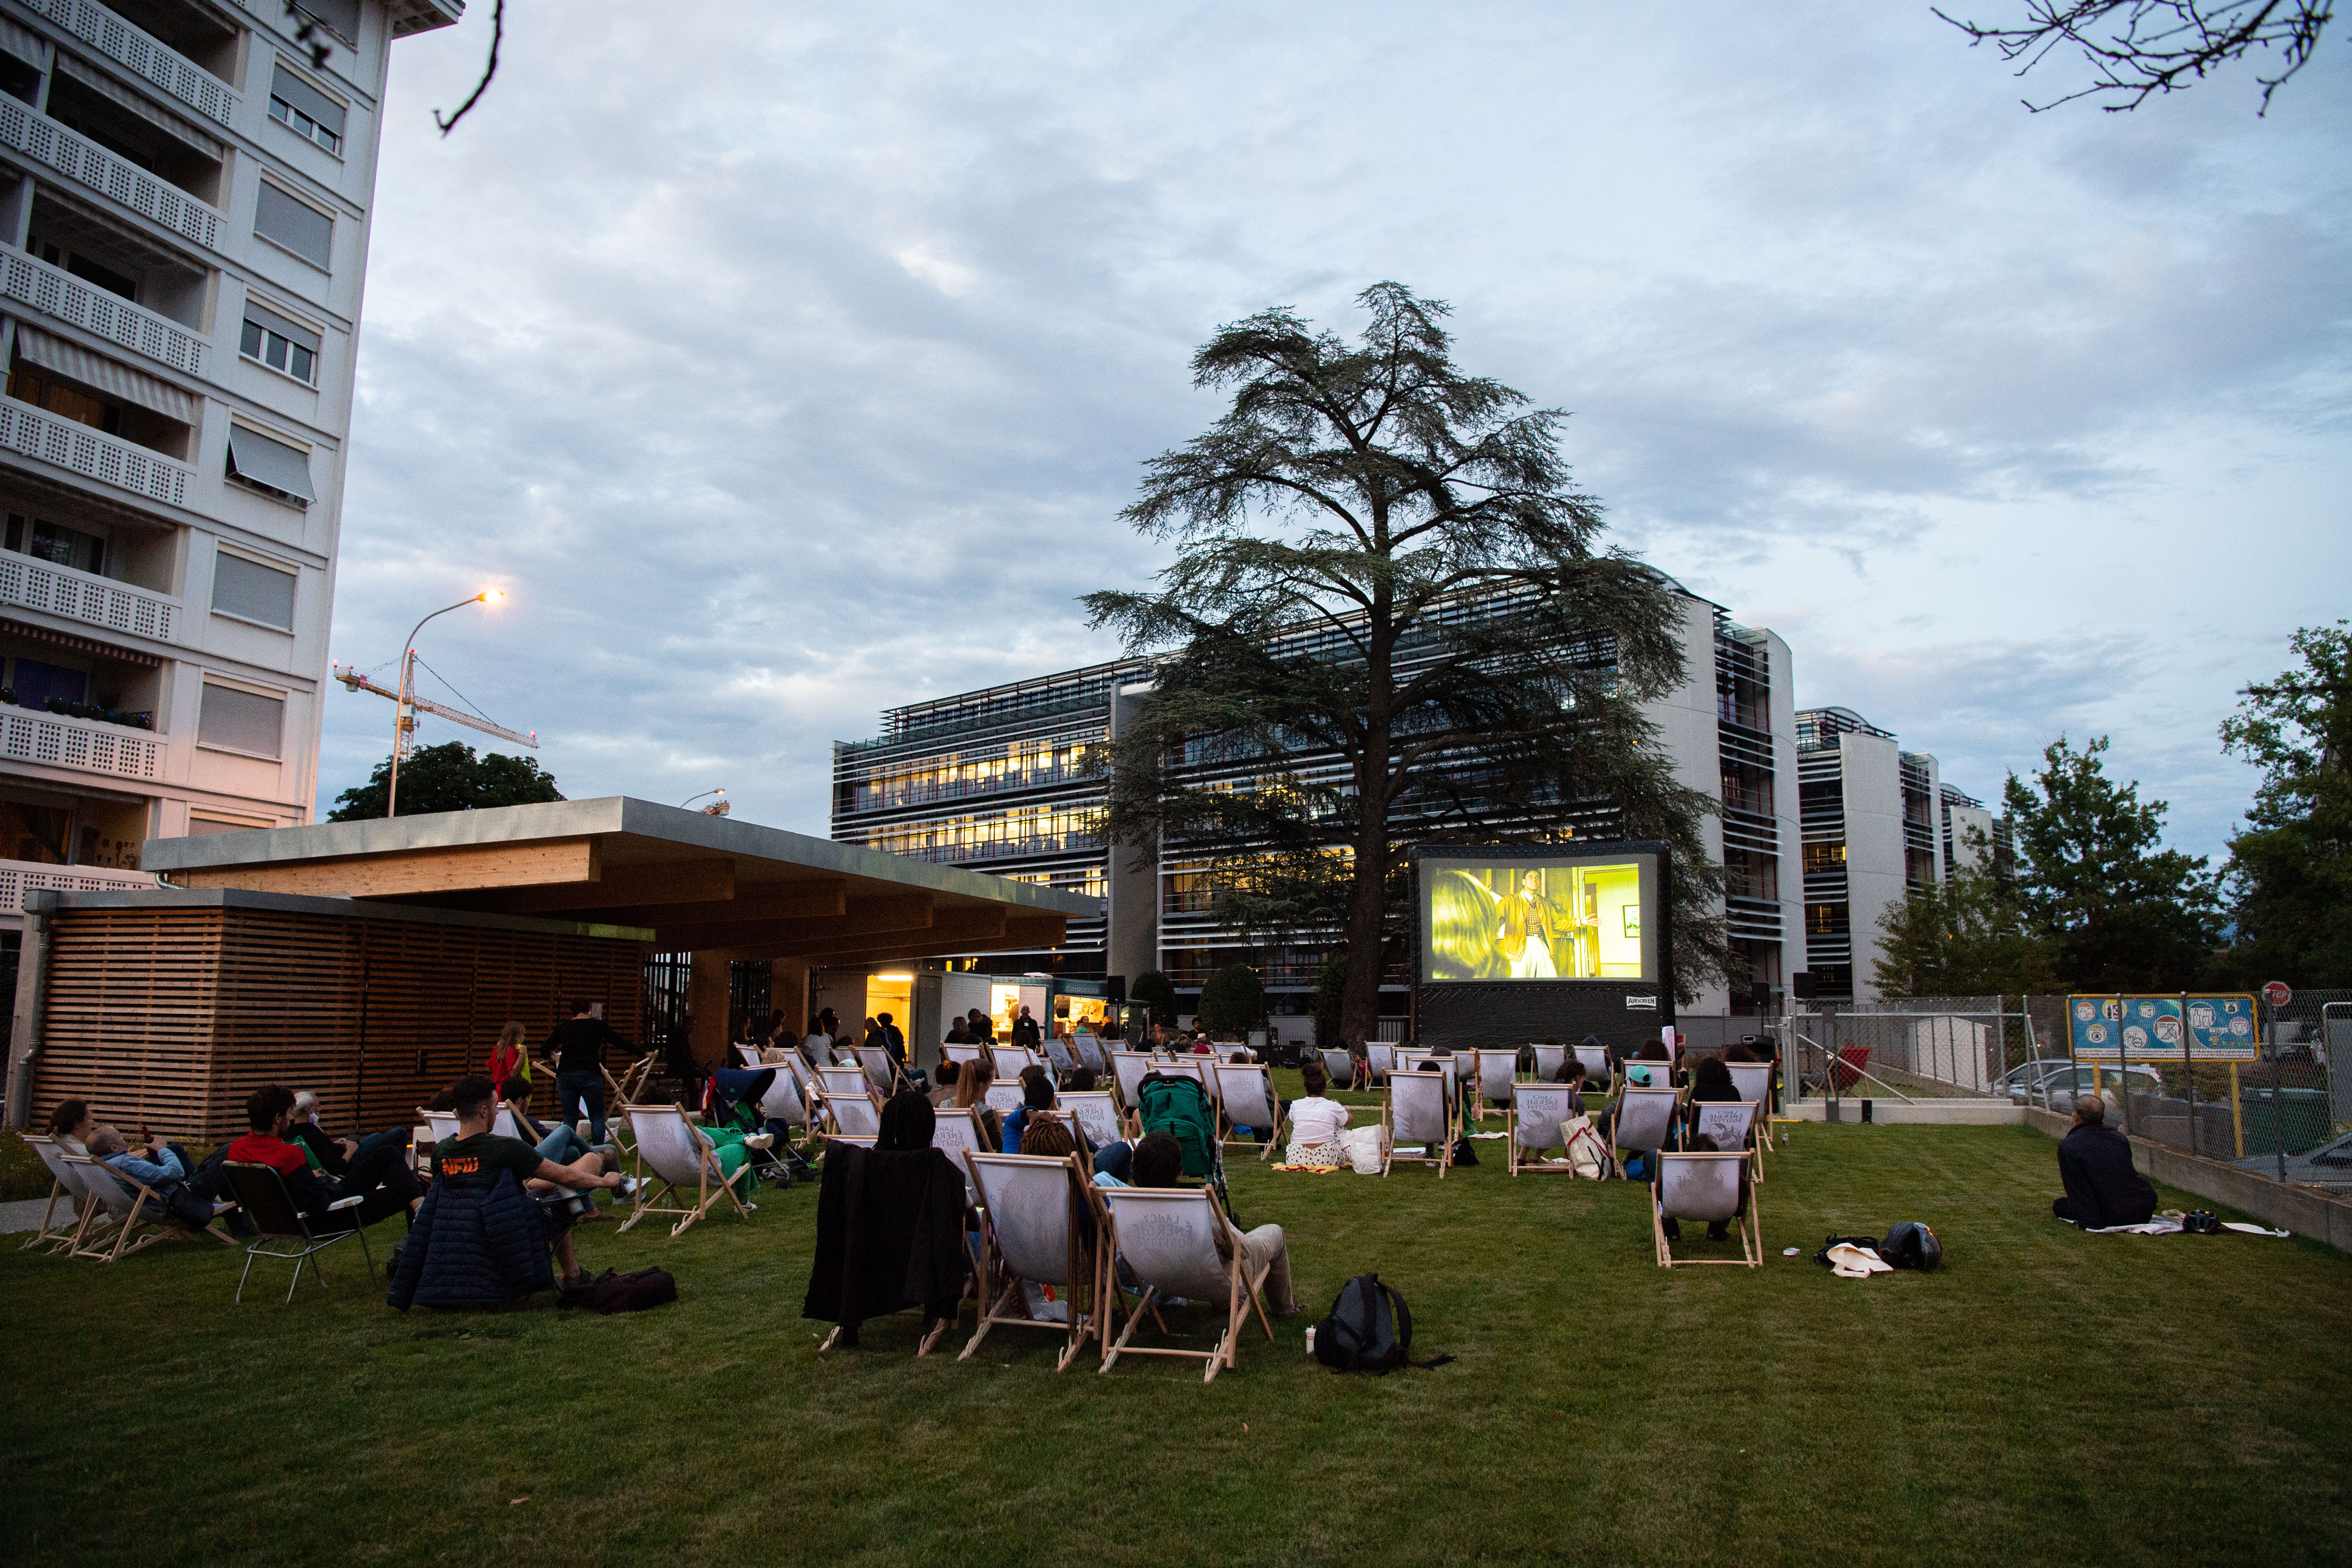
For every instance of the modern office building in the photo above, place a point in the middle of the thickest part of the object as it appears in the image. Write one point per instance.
(1965, 816)
(1005, 780)
(185, 195)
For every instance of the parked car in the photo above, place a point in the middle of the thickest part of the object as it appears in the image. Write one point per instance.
(2055, 1083)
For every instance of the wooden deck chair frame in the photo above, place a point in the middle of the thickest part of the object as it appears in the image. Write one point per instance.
(1443, 1158)
(973, 1139)
(1127, 1071)
(710, 1181)
(1758, 1076)
(1076, 1102)
(1476, 1100)
(1003, 1301)
(882, 1071)
(1545, 1098)
(1749, 1226)
(279, 1218)
(1548, 1060)
(65, 1181)
(1253, 1081)
(1657, 1102)
(1246, 1290)
(1698, 1111)
(129, 1191)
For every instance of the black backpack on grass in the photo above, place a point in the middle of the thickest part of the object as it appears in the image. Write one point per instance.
(1370, 1329)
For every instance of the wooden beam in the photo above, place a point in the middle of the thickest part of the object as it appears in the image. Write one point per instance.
(908, 913)
(947, 927)
(570, 860)
(1017, 933)
(665, 884)
(813, 897)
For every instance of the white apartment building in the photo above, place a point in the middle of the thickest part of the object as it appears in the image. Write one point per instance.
(185, 195)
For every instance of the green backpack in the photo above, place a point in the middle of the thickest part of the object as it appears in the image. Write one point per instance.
(1180, 1108)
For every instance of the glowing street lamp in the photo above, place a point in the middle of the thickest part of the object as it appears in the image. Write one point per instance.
(404, 717)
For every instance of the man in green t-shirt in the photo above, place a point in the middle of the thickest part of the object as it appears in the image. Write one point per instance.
(477, 1150)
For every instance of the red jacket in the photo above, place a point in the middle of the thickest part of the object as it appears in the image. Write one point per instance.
(261, 1149)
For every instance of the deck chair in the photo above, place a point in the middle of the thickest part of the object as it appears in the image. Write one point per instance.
(1039, 1211)
(1646, 1118)
(1731, 1124)
(844, 1081)
(681, 1163)
(1596, 1062)
(1003, 1097)
(634, 1079)
(1382, 1054)
(748, 1056)
(503, 1125)
(444, 1124)
(135, 1206)
(1497, 1071)
(863, 1139)
(1541, 1108)
(1059, 1058)
(1851, 1066)
(1008, 1060)
(1247, 1098)
(1096, 1113)
(1090, 1054)
(784, 1102)
(261, 1194)
(1547, 1061)
(881, 1069)
(960, 1054)
(1169, 1237)
(956, 1131)
(67, 1193)
(1754, 1082)
(1126, 1073)
(811, 1087)
(1704, 1187)
(1419, 1110)
(1339, 1068)
(853, 1115)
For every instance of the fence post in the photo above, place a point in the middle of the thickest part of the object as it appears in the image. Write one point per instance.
(2189, 1066)
(2278, 1089)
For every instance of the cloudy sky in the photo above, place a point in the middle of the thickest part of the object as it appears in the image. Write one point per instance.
(790, 363)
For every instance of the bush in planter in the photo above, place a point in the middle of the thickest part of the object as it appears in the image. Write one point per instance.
(1233, 1002)
(1156, 991)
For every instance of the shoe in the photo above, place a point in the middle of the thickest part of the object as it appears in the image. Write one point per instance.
(759, 1141)
(573, 1281)
(1717, 1233)
(1674, 1230)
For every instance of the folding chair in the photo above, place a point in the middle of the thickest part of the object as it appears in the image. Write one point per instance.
(1382, 1058)
(1704, 1187)
(748, 1055)
(1169, 1239)
(134, 1206)
(674, 1147)
(1731, 1124)
(1541, 1109)
(784, 1102)
(1596, 1062)
(1090, 1054)
(503, 1125)
(1247, 1098)
(1126, 1073)
(444, 1124)
(1754, 1082)
(1419, 1110)
(1646, 1119)
(1003, 1097)
(853, 1115)
(1497, 1072)
(1096, 1114)
(1058, 1059)
(955, 1131)
(1037, 1212)
(634, 1079)
(261, 1194)
(841, 1082)
(960, 1054)
(65, 1182)
(1547, 1061)
(1339, 1068)
(882, 1071)
(1008, 1060)
(1640, 1074)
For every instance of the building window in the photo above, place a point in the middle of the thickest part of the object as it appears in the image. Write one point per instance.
(275, 468)
(305, 110)
(33, 684)
(1824, 858)
(295, 225)
(252, 592)
(279, 343)
(237, 720)
(342, 17)
(60, 545)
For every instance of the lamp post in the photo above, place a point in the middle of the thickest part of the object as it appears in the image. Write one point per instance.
(402, 723)
(716, 809)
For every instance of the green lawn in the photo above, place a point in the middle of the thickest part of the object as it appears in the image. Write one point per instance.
(2047, 1397)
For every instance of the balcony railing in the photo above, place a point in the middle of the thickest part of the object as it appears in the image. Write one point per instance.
(53, 291)
(45, 141)
(18, 878)
(36, 434)
(64, 743)
(152, 58)
(81, 596)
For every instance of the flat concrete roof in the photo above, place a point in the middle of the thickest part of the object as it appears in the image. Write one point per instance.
(698, 883)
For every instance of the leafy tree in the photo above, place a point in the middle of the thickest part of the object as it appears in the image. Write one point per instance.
(448, 777)
(1389, 615)
(1966, 938)
(1233, 1002)
(2138, 49)
(2120, 913)
(1330, 995)
(2290, 871)
(1156, 991)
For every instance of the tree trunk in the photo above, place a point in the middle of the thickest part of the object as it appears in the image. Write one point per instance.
(1359, 1008)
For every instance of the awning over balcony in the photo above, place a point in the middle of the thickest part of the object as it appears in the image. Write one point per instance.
(97, 371)
(701, 884)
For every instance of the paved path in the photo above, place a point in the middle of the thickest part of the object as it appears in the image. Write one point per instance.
(25, 1215)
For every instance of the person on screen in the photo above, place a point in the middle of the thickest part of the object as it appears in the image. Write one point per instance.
(1525, 931)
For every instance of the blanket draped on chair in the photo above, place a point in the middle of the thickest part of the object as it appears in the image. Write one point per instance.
(478, 1241)
(889, 1234)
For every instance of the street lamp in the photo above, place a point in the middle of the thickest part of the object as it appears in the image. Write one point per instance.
(403, 722)
(719, 808)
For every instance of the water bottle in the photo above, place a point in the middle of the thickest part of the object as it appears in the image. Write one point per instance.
(1310, 1339)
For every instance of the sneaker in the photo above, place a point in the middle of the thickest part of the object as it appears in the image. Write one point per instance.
(628, 1190)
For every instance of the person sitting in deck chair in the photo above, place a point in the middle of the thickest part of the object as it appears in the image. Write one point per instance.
(477, 1151)
(1036, 1095)
(971, 1093)
(381, 1174)
(2095, 1161)
(1315, 1121)
(1160, 1162)
(943, 1082)
(334, 1155)
(166, 1167)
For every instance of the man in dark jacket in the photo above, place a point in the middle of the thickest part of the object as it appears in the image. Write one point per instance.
(2095, 1161)
(575, 1048)
(477, 1150)
(380, 1174)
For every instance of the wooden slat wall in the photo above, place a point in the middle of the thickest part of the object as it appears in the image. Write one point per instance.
(166, 1019)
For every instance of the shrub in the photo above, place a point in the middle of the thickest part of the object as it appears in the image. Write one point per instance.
(1233, 1002)
(1156, 991)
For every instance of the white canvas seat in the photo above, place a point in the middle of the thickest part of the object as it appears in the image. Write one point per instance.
(784, 1102)
(839, 1082)
(682, 1160)
(1646, 1118)
(1548, 1060)
(1090, 1053)
(1754, 1082)
(1339, 1068)
(861, 1140)
(959, 1053)
(1058, 1056)
(444, 1124)
(137, 1208)
(1382, 1056)
(67, 1193)
(1647, 1075)
(1038, 1211)
(1169, 1240)
(1541, 1108)
(748, 1055)
(1704, 1187)
(1096, 1114)
(1419, 1110)
(1003, 1097)
(1245, 1097)
(1497, 1072)
(1008, 1060)
(853, 1115)
(881, 1069)
(503, 1124)
(956, 1131)
(1596, 1062)
(1731, 1124)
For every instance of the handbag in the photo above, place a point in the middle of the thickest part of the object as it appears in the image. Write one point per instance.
(1588, 1153)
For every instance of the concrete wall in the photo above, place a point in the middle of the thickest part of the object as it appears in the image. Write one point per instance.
(1784, 806)
(2306, 1211)
(1967, 819)
(1872, 774)
(1686, 729)
(1132, 940)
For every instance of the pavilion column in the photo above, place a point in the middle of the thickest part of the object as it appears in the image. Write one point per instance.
(788, 992)
(705, 1000)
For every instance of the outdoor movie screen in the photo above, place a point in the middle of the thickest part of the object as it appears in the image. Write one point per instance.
(1561, 918)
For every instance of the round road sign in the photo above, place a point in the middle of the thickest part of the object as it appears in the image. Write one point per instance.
(2278, 993)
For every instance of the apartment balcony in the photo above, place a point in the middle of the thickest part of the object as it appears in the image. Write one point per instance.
(148, 58)
(55, 293)
(18, 878)
(38, 433)
(58, 742)
(83, 597)
(77, 158)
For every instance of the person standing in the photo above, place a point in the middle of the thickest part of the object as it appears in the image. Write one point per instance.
(1025, 1033)
(575, 1050)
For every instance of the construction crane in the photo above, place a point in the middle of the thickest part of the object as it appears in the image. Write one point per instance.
(354, 681)
(405, 702)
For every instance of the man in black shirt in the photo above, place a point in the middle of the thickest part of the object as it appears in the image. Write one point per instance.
(575, 1048)
(2095, 1161)
(477, 1149)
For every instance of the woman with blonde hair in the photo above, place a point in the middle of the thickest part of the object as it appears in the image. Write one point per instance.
(971, 1092)
(508, 1061)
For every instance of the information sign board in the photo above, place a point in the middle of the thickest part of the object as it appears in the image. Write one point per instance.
(2222, 1028)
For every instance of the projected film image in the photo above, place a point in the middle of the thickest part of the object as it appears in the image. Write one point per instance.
(1532, 921)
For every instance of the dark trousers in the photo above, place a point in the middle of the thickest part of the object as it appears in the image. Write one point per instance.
(187, 1203)
(584, 1090)
(1115, 1160)
(383, 1176)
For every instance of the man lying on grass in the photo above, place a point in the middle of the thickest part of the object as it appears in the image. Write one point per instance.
(2095, 1161)
(477, 1149)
